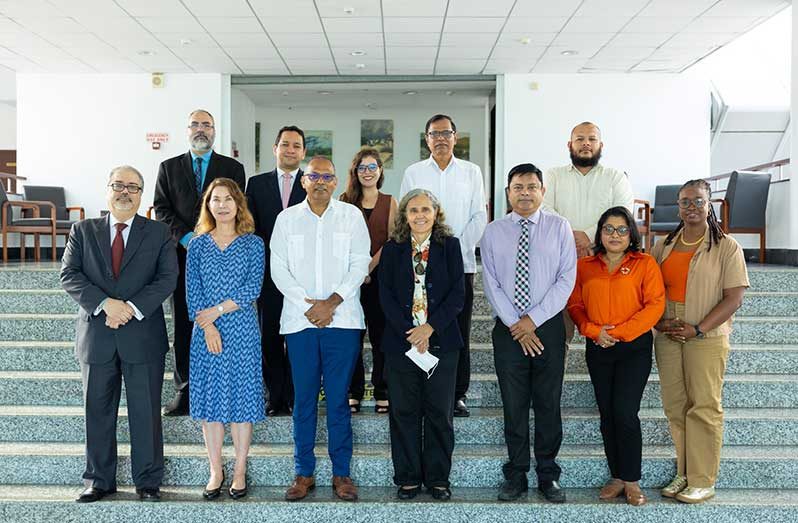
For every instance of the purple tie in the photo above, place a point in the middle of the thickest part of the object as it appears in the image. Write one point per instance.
(118, 249)
(286, 188)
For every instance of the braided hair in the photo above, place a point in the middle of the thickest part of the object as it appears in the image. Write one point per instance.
(715, 231)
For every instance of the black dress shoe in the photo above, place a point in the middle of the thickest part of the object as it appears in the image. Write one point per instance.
(552, 491)
(92, 494)
(178, 406)
(441, 494)
(272, 410)
(408, 493)
(237, 493)
(213, 493)
(460, 409)
(149, 494)
(512, 490)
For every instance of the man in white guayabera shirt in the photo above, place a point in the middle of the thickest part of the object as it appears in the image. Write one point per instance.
(459, 187)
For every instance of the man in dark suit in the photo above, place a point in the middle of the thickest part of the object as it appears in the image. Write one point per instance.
(178, 197)
(268, 194)
(120, 269)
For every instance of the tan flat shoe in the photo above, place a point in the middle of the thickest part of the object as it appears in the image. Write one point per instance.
(611, 489)
(634, 496)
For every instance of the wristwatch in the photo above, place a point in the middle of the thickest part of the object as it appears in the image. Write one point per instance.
(220, 308)
(698, 333)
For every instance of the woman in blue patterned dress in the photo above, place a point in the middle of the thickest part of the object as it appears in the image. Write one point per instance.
(224, 273)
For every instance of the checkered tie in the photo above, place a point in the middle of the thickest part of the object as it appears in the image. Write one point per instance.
(521, 298)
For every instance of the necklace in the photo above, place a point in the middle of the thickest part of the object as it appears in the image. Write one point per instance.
(218, 240)
(681, 239)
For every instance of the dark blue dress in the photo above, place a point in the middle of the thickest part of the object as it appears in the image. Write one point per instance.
(226, 387)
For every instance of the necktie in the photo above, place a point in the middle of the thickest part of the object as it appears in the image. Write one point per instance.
(198, 174)
(118, 249)
(521, 297)
(286, 189)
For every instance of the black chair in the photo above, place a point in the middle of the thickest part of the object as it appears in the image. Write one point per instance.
(665, 213)
(56, 195)
(35, 224)
(743, 209)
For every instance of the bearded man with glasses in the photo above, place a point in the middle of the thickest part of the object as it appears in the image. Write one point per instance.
(178, 198)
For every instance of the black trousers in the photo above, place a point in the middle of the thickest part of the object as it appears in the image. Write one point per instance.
(102, 388)
(464, 322)
(619, 375)
(422, 430)
(375, 323)
(183, 326)
(276, 366)
(524, 380)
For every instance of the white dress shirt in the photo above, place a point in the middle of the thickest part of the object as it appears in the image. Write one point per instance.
(461, 191)
(582, 198)
(280, 174)
(315, 256)
(125, 233)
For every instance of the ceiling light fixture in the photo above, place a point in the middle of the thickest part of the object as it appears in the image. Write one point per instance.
(325, 92)
(144, 52)
(449, 93)
(525, 40)
(410, 93)
(358, 52)
(569, 52)
(349, 10)
(186, 41)
(360, 66)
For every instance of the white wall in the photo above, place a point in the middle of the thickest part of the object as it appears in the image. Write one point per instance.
(74, 128)
(8, 125)
(345, 124)
(243, 129)
(654, 127)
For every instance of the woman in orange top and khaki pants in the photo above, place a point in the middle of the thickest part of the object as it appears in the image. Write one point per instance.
(705, 278)
(617, 299)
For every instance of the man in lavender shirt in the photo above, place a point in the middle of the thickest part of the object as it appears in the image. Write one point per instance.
(529, 269)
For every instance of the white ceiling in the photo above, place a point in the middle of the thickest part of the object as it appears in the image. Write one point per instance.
(399, 37)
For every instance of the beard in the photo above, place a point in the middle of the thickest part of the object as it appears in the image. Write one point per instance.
(579, 161)
(201, 142)
(122, 204)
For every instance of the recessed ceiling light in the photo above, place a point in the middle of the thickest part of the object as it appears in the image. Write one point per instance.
(569, 52)
(325, 92)
(284, 93)
(449, 93)
(525, 40)
(371, 105)
(144, 52)
(410, 93)
(358, 52)
(186, 41)
(360, 66)
(349, 10)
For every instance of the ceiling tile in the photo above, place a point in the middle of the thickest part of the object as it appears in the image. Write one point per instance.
(90, 8)
(355, 40)
(344, 56)
(460, 53)
(202, 8)
(153, 7)
(669, 8)
(531, 26)
(545, 8)
(198, 53)
(525, 53)
(407, 53)
(304, 53)
(515, 39)
(558, 66)
(216, 24)
(311, 67)
(243, 39)
(298, 39)
(409, 69)
(15, 8)
(352, 25)
(750, 8)
(50, 25)
(659, 66)
(469, 8)
(253, 53)
(283, 9)
(408, 8)
(118, 26)
(706, 24)
(123, 41)
(411, 39)
(460, 67)
(473, 39)
(83, 40)
(335, 8)
(658, 24)
(700, 41)
(116, 66)
(473, 25)
(272, 70)
(582, 39)
(413, 25)
(196, 39)
(584, 50)
(163, 24)
(640, 39)
(595, 24)
(291, 24)
(425, 62)
(611, 7)
(615, 52)
(508, 66)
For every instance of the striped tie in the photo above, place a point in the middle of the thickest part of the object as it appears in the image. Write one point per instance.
(521, 298)
(198, 174)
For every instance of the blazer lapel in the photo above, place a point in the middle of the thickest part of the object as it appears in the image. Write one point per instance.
(272, 189)
(297, 191)
(406, 275)
(188, 172)
(134, 240)
(103, 235)
(212, 172)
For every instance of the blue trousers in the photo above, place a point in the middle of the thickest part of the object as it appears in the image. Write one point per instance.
(327, 354)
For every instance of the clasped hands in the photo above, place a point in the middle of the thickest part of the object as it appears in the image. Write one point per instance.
(676, 329)
(205, 319)
(117, 313)
(604, 340)
(523, 331)
(320, 313)
(583, 244)
(418, 337)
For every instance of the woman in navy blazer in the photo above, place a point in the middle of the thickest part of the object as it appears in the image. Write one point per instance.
(422, 289)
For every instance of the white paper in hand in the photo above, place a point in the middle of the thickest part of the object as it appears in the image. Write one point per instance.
(425, 361)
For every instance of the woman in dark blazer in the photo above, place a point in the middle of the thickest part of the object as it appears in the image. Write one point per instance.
(422, 289)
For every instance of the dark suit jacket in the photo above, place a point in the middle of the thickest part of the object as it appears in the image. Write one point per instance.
(147, 277)
(265, 203)
(445, 282)
(176, 201)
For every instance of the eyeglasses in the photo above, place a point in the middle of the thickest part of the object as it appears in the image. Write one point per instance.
(699, 203)
(132, 188)
(441, 134)
(372, 167)
(420, 269)
(315, 177)
(520, 188)
(609, 230)
(200, 125)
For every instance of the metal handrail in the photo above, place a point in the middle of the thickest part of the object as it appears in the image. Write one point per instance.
(778, 178)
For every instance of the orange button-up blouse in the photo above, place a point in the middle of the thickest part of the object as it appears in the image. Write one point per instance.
(632, 297)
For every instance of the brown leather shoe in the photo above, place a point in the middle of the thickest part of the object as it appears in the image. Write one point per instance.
(634, 496)
(611, 489)
(300, 488)
(344, 488)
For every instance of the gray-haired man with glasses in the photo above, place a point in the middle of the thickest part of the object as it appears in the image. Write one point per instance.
(459, 186)
(178, 196)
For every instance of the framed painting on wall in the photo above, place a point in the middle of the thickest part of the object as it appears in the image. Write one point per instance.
(379, 135)
(318, 143)
(462, 149)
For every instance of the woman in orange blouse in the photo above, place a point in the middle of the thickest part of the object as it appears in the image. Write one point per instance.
(617, 299)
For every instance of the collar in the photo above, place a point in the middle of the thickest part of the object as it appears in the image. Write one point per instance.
(330, 208)
(205, 157)
(431, 161)
(281, 172)
(535, 218)
(629, 256)
(420, 247)
(572, 168)
(113, 221)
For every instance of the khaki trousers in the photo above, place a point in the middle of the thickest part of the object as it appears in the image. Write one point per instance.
(691, 381)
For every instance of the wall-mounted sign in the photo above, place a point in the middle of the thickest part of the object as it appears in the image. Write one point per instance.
(156, 139)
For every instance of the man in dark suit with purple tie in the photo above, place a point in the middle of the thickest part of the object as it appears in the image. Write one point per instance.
(178, 197)
(268, 194)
